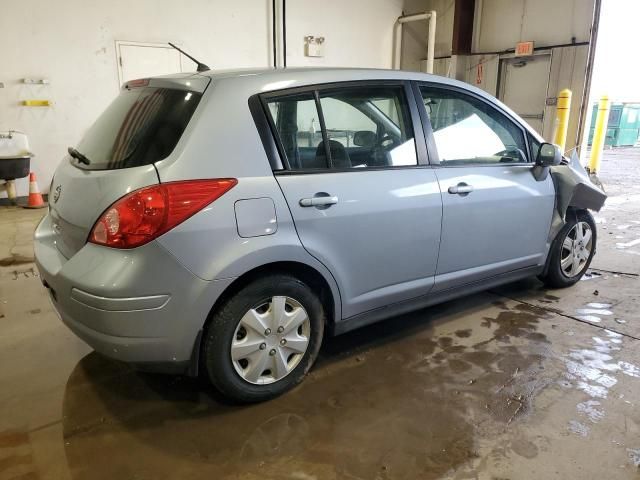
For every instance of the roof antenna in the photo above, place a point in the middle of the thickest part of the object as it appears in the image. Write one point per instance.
(201, 66)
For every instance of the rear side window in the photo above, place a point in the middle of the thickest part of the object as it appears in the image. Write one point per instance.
(364, 127)
(140, 127)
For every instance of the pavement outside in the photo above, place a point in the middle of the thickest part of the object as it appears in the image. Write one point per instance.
(517, 383)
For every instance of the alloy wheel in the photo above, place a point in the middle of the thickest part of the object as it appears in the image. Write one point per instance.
(576, 249)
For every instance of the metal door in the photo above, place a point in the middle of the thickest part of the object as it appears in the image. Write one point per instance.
(523, 87)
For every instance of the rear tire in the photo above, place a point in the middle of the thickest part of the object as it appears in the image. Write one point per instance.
(264, 339)
(572, 250)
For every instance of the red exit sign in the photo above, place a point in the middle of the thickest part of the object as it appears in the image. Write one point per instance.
(524, 48)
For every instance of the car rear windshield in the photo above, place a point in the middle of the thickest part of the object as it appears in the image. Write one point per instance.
(140, 127)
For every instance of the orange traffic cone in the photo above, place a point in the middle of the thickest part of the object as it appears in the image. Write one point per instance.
(35, 197)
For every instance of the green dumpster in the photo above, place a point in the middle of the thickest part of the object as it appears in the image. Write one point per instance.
(623, 128)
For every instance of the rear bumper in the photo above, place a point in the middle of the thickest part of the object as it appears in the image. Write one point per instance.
(140, 306)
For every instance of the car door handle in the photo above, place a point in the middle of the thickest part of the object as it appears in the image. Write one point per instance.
(318, 201)
(461, 189)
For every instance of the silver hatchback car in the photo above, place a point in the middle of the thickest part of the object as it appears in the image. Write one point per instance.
(223, 222)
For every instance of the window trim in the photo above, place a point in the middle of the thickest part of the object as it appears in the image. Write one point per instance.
(271, 139)
(428, 129)
(323, 131)
(263, 126)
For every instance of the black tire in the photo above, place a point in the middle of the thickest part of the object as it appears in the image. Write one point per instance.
(219, 333)
(555, 276)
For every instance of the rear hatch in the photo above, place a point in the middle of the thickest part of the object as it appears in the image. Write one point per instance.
(140, 127)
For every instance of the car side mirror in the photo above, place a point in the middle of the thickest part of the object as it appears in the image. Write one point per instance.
(549, 155)
(364, 138)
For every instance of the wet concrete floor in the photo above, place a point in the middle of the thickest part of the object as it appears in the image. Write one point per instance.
(519, 382)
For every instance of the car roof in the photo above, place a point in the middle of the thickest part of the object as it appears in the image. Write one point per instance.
(271, 79)
(274, 78)
(262, 80)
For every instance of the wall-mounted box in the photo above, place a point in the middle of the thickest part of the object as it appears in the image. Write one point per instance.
(314, 46)
(35, 81)
(36, 103)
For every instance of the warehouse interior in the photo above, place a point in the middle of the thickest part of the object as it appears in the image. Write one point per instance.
(520, 381)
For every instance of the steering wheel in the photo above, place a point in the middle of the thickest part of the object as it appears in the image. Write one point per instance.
(380, 149)
(510, 155)
(385, 142)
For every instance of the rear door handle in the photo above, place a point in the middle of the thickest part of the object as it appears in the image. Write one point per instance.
(318, 201)
(461, 189)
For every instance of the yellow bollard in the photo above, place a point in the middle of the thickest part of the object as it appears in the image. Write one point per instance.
(562, 118)
(599, 135)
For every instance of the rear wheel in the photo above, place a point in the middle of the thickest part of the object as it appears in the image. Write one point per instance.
(264, 339)
(572, 251)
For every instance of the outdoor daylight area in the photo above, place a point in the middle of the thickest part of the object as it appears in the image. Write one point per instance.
(338, 240)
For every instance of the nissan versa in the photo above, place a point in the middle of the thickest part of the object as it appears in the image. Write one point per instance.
(223, 222)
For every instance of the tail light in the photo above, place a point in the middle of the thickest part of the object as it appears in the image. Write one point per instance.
(145, 214)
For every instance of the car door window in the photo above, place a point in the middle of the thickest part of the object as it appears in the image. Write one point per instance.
(368, 127)
(468, 131)
(364, 126)
(296, 120)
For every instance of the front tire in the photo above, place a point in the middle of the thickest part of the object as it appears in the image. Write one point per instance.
(264, 339)
(571, 251)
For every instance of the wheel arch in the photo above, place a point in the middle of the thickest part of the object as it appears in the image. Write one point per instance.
(317, 281)
(570, 212)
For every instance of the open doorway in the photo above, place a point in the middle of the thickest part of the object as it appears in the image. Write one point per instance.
(614, 74)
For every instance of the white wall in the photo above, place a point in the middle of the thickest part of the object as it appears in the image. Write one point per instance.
(358, 33)
(503, 23)
(72, 43)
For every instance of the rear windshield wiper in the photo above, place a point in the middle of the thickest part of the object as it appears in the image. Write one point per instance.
(78, 156)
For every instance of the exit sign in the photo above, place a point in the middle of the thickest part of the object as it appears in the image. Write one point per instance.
(524, 49)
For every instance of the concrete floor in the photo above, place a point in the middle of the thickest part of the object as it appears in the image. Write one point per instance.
(519, 382)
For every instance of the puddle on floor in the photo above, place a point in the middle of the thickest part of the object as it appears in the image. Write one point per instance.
(634, 456)
(632, 243)
(590, 274)
(595, 371)
(15, 260)
(592, 312)
(578, 428)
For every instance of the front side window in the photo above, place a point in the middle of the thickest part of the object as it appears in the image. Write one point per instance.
(469, 131)
(364, 126)
(535, 147)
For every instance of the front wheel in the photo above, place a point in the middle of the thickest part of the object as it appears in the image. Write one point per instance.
(572, 251)
(264, 339)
